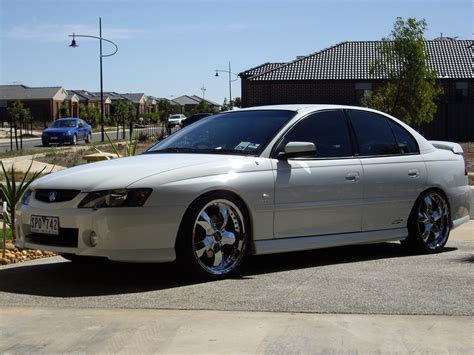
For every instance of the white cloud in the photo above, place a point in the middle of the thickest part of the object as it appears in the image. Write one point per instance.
(57, 32)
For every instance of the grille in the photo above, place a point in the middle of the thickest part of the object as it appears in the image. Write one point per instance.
(61, 195)
(67, 238)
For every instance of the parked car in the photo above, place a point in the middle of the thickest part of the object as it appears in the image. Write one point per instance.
(194, 118)
(67, 130)
(260, 180)
(176, 120)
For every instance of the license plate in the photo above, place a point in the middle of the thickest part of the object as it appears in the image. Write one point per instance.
(45, 225)
(53, 137)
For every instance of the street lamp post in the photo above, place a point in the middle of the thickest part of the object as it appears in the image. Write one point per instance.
(100, 38)
(230, 81)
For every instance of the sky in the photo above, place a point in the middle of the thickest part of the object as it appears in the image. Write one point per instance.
(169, 48)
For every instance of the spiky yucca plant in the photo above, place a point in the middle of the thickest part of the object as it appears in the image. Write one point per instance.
(12, 192)
(130, 146)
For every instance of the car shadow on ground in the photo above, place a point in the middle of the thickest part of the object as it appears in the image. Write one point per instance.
(67, 279)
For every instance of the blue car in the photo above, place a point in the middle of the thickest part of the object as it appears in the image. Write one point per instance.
(67, 130)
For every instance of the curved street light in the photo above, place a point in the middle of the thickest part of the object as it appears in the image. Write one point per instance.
(100, 38)
(230, 81)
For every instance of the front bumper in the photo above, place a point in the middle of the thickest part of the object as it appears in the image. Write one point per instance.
(123, 234)
(57, 139)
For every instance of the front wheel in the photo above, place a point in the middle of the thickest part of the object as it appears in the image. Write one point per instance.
(74, 140)
(214, 236)
(429, 224)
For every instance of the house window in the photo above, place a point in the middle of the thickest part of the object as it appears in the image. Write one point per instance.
(362, 90)
(461, 91)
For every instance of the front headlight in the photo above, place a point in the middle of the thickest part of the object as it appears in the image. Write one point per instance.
(116, 198)
(25, 199)
(69, 133)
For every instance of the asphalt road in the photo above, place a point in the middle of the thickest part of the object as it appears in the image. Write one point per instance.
(32, 143)
(365, 279)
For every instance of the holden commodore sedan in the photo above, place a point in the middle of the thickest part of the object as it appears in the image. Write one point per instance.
(255, 181)
(67, 130)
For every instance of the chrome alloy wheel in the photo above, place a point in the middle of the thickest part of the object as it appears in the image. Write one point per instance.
(219, 237)
(433, 220)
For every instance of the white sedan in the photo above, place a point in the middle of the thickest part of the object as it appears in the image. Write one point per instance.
(255, 181)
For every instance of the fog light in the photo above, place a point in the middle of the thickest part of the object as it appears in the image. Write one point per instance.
(93, 239)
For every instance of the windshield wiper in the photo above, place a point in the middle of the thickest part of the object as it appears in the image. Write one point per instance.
(175, 150)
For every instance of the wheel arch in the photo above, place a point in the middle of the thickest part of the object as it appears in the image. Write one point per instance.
(426, 190)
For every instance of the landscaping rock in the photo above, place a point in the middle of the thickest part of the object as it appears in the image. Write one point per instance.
(15, 255)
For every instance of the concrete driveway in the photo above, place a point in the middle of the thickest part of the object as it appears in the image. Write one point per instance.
(374, 294)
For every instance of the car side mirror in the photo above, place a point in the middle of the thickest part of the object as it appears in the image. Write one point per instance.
(297, 149)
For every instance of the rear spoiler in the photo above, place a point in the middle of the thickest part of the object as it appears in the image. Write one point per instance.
(454, 147)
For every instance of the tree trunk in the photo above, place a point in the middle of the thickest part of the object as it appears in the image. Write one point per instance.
(16, 136)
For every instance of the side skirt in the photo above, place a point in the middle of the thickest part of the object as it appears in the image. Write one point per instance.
(273, 246)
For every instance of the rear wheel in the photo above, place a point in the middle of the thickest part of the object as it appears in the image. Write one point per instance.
(213, 239)
(429, 224)
(88, 138)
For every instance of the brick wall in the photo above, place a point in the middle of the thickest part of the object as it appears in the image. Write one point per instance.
(454, 120)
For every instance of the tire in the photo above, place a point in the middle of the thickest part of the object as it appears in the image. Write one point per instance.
(88, 138)
(429, 224)
(74, 140)
(80, 259)
(213, 237)
(45, 144)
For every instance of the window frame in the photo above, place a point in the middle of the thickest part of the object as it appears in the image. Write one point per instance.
(274, 154)
(386, 118)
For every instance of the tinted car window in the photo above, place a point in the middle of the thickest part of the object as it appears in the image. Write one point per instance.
(406, 143)
(327, 130)
(373, 133)
(237, 132)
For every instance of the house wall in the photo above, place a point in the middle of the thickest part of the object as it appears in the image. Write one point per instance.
(42, 111)
(454, 119)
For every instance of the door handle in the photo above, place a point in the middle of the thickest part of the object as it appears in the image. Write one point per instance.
(413, 173)
(352, 177)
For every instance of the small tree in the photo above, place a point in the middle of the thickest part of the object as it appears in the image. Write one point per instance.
(17, 113)
(411, 89)
(64, 110)
(225, 106)
(89, 113)
(237, 102)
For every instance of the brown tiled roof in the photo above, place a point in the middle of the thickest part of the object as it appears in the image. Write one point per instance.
(23, 92)
(354, 60)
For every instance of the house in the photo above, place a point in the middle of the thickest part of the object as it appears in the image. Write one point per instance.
(188, 103)
(139, 99)
(91, 98)
(342, 74)
(43, 102)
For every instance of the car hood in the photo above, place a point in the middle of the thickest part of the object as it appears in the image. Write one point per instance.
(58, 130)
(120, 173)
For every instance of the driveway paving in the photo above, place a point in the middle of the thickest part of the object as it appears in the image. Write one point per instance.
(136, 331)
(364, 279)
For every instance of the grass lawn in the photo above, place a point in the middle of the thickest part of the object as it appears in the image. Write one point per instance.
(8, 233)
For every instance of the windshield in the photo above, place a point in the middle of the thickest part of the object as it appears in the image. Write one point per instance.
(242, 132)
(63, 123)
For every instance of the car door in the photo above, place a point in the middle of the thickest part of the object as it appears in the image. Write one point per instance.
(80, 129)
(394, 171)
(319, 194)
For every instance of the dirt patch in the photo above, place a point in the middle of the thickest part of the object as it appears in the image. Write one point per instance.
(70, 158)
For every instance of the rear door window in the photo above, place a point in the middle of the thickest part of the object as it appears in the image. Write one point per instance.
(373, 133)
